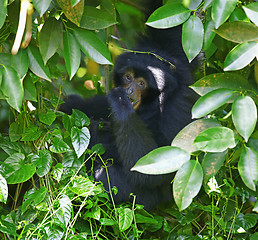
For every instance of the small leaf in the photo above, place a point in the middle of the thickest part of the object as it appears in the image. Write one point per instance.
(31, 134)
(72, 12)
(92, 46)
(36, 63)
(41, 6)
(214, 81)
(50, 38)
(192, 37)
(12, 87)
(185, 138)
(3, 189)
(162, 160)
(72, 54)
(216, 139)
(211, 164)
(80, 140)
(238, 31)
(65, 209)
(240, 56)
(3, 11)
(47, 118)
(169, 15)
(125, 216)
(221, 11)
(187, 183)
(30, 91)
(211, 101)
(248, 167)
(251, 11)
(244, 115)
(80, 118)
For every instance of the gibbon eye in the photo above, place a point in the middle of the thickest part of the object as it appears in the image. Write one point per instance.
(141, 83)
(128, 78)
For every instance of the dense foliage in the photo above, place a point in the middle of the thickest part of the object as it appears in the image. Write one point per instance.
(45, 191)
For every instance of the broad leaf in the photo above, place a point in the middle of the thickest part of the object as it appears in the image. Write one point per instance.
(36, 63)
(221, 11)
(41, 6)
(169, 15)
(92, 46)
(94, 18)
(125, 216)
(240, 56)
(12, 87)
(3, 11)
(209, 34)
(248, 167)
(43, 162)
(187, 183)
(80, 118)
(50, 38)
(3, 189)
(211, 164)
(244, 115)
(185, 138)
(162, 160)
(192, 37)
(251, 11)
(211, 101)
(217, 139)
(72, 12)
(65, 210)
(31, 133)
(30, 91)
(72, 54)
(214, 81)
(59, 146)
(20, 62)
(80, 140)
(238, 31)
(47, 118)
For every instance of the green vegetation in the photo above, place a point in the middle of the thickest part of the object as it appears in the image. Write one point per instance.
(45, 191)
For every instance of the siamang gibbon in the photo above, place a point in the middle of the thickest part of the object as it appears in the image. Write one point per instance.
(150, 103)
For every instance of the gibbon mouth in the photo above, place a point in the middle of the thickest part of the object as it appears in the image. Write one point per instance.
(135, 103)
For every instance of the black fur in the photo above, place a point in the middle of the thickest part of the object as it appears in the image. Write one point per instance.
(164, 111)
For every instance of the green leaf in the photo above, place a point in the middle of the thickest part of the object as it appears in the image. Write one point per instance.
(214, 81)
(238, 31)
(65, 209)
(246, 221)
(12, 87)
(211, 164)
(21, 171)
(125, 218)
(31, 134)
(94, 18)
(207, 4)
(221, 11)
(47, 118)
(185, 138)
(58, 171)
(251, 11)
(71, 163)
(248, 167)
(192, 37)
(59, 146)
(50, 38)
(187, 183)
(216, 139)
(74, 2)
(33, 197)
(244, 115)
(15, 131)
(80, 139)
(30, 91)
(36, 63)
(209, 34)
(3, 189)
(72, 54)
(169, 15)
(240, 56)
(107, 222)
(20, 62)
(92, 46)
(211, 101)
(43, 162)
(162, 160)
(41, 6)
(73, 13)
(80, 118)
(3, 11)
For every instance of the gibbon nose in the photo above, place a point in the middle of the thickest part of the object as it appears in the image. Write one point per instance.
(130, 91)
